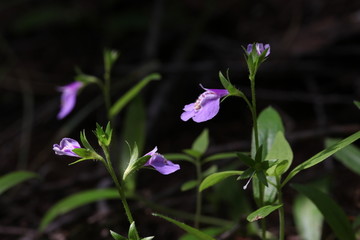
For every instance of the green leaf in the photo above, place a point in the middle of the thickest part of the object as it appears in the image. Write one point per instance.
(193, 231)
(228, 86)
(349, 156)
(11, 179)
(74, 201)
(86, 79)
(132, 235)
(331, 211)
(262, 212)
(129, 95)
(210, 170)
(308, 219)
(248, 161)
(84, 141)
(202, 142)
(220, 156)
(357, 103)
(210, 231)
(269, 124)
(178, 157)
(188, 185)
(83, 153)
(321, 156)
(135, 163)
(217, 177)
(281, 151)
(133, 131)
(193, 153)
(117, 236)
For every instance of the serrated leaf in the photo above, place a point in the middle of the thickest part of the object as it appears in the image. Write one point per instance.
(11, 179)
(281, 151)
(201, 143)
(262, 212)
(308, 219)
(117, 236)
(129, 95)
(217, 177)
(193, 231)
(74, 201)
(321, 156)
(188, 185)
(331, 211)
(349, 156)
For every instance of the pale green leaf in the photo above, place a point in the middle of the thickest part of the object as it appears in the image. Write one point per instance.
(74, 201)
(308, 219)
(331, 211)
(280, 151)
(193, 231)
(201, 143)
(262, 212)
(188, 185)
(11, 179)
(217, 177)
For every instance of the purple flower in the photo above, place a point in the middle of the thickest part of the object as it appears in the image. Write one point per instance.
(161, 164)
(259, 48)
(66, 146)
(68, 98)
(205, 107)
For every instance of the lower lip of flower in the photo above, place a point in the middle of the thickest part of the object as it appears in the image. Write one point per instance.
(207, 94)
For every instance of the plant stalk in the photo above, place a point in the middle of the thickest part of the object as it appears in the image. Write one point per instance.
(198, 194)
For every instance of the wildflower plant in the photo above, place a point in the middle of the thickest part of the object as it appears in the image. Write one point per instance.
(263, 166)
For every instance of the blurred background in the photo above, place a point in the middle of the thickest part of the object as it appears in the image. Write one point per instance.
(311, 77)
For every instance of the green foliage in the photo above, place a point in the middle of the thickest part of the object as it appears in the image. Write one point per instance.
(132, 93)
(308, 219)
(104, 137)
(210, 231)
(74, 201)
(262, 212)
(189, 185)
(216, 178)
(331, 211)
(11, 179)
(349, 156)
(201, 143)
(228, 86)
(117, 236)
(135, 162)
(193, 231)
(321, 156)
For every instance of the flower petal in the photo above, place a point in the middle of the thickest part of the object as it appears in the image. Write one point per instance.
(66, 146)
(68, 98)
(162, 165)
(208, 110)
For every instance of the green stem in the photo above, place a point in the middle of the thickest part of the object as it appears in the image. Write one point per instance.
(119, 187)
(281, 211)
(198, 194)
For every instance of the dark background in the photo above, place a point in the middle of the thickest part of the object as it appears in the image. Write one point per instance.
(311, 78)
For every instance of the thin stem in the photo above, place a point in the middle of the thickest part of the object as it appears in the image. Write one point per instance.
(253, 112)
(281, 211)
(198, 194)
(118, 185)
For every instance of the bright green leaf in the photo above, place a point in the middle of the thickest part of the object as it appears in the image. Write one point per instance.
(74, 201)
(349, 156)
(262, 212)
(217, 177)
(331, 211)
(129, 95)
(321, 156)
(11, 179)
(201, 143)
(193, 231)
(280, 151)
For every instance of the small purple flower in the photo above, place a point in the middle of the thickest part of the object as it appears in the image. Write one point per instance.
(259, 48)
(205, 107)
(66, 146)
(68, 98)
(161, 164)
